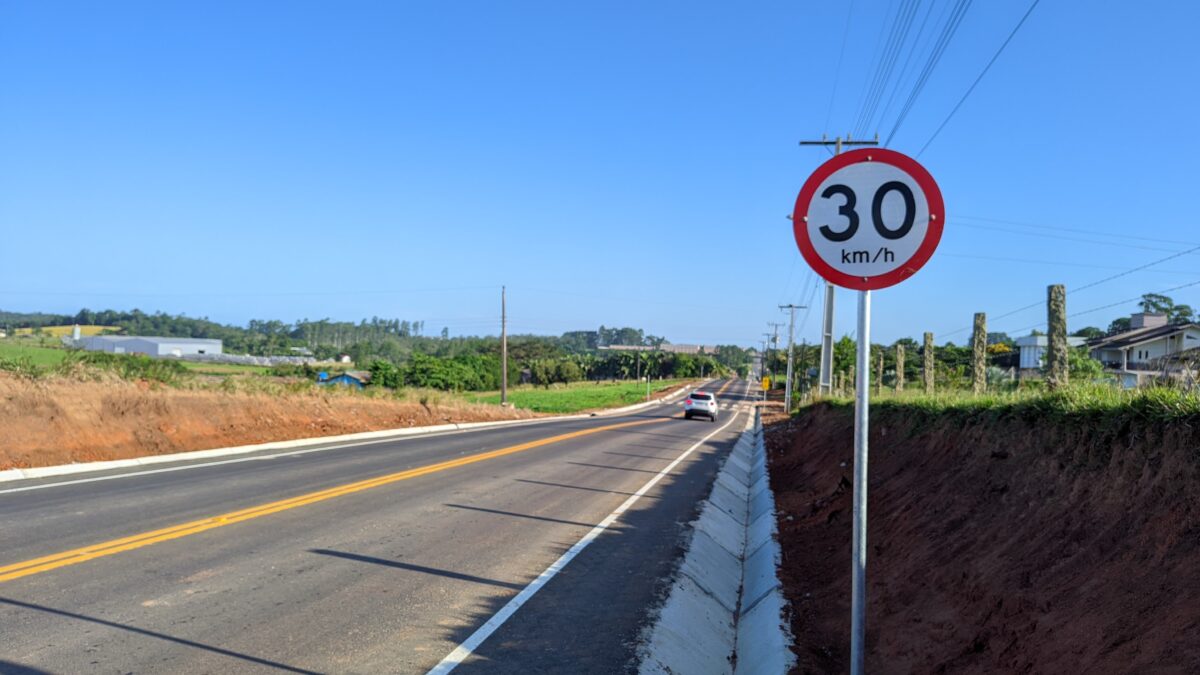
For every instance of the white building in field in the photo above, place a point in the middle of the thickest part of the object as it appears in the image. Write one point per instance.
(158, 347)
(1033, 350)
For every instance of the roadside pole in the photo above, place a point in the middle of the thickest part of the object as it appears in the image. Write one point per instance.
(825, 377)
(787, 393)
(503, 346)
(858, 584)
(905, 224)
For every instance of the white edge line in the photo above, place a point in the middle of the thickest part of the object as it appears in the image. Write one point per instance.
(464, 650)
(296, 447)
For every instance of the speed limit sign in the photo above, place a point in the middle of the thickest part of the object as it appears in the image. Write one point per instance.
(868, 219)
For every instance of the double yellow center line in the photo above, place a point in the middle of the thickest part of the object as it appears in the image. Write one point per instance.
(78, 555)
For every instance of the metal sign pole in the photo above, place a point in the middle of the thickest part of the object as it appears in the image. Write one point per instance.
(858, 589)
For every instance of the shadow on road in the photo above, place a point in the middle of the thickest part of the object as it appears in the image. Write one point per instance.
(521, 515)
(142, 631)
(415, 568)
(579, 487)
(591, 616)
(614, 468)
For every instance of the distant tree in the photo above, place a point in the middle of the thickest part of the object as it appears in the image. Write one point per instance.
(1088, 333)
(1183, 314)
(1156, 303)
(1120, 325)
(999, 339)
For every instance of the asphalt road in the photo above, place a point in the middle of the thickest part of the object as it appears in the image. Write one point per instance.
(377, 557)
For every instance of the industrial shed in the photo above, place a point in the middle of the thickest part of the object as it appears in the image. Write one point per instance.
(158, 347)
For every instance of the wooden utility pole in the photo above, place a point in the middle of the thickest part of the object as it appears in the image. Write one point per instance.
(825, 381)
(503, 346)
(979, 354)
(928, 370)
(899, 368)
(1057, 366)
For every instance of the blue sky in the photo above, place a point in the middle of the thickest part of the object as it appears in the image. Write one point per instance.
(613, 163)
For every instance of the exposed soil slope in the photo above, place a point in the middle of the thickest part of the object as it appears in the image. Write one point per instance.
(50, 422)
(995, 545)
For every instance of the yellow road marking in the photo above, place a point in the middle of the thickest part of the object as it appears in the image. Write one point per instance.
(78, 555)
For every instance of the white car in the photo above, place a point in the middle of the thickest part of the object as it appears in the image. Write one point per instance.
(700, 403)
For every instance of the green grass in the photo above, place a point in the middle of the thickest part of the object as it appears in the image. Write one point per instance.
(13, 350)
(577, 396)
(1097, 404)
(224, 368)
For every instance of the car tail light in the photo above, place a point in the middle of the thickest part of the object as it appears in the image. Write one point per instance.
(688, 402)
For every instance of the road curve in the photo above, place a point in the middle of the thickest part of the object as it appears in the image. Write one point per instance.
(381, 557)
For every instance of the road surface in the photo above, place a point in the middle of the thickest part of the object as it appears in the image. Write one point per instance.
(376, 557)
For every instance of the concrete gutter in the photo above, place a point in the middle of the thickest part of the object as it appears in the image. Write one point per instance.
(355, 438)
(725, 613)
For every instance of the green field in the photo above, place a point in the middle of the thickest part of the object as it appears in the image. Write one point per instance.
(14, 350)
(577, 396)
(223, 368)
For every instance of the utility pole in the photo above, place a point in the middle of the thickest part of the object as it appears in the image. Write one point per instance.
(774, 343)
(825, 382)
(787, 392)
(766, 361)
(503, 346)
(762, 367)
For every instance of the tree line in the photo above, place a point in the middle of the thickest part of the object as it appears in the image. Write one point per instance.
(400, 353)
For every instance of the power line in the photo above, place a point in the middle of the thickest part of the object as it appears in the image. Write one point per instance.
(916, 47)
(837, 73)
(939, 48)
(1065, 238)
(1090, 285)
(977, 79)
(887, 63)
(1056, 263)
(1043, 226)
(1113, 304)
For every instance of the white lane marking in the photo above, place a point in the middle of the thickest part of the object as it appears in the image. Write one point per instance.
(464, 650)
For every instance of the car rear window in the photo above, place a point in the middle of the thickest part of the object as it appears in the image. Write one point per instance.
(701, 397)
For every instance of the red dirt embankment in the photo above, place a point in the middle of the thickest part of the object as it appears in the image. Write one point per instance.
(58, 421)
(994, 547)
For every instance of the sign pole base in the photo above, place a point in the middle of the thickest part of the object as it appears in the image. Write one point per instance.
(858, 590)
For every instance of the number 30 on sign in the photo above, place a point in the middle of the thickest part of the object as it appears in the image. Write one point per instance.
(868, 219)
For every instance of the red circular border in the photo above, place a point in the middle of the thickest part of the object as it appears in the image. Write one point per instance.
(933, 235)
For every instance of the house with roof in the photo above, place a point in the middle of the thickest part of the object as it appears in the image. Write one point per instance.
(1148, 349)
(357, 379)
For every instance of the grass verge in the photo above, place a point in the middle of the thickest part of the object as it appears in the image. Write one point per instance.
(578, 396)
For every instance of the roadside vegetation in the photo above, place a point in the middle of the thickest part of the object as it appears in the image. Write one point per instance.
(1092, 404)
(579, 396)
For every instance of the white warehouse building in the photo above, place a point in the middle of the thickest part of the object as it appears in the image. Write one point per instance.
(150, 346)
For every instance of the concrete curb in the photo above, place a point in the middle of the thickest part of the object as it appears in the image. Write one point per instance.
(362, 436)
(725, 613)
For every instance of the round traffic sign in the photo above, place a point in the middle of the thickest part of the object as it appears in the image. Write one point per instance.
(868, 219)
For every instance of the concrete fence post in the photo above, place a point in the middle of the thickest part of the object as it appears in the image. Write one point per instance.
(928, 370)
(1057, 367)
(879, 373)
(979, 354)
(899, 368)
